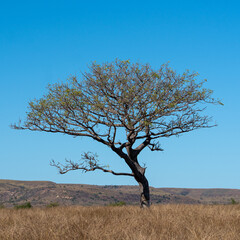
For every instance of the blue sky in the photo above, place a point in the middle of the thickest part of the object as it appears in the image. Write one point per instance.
(44, 42)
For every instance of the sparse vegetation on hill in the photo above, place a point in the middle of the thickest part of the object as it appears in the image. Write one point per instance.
(23, 206)
(47, 193)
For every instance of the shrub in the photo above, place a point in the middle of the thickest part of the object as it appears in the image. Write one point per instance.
(53, 204)
(233, 201)
(24, 205)
(116, 204)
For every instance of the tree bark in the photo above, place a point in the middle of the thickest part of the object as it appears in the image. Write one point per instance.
(138, 173)
(144, 191)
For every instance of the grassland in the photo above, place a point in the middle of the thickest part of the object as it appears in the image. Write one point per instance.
(161, 222)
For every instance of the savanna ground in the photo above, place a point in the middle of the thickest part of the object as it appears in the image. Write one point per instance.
(175, 222)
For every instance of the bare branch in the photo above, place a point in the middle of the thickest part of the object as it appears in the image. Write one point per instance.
(89, 163)
(155, 146)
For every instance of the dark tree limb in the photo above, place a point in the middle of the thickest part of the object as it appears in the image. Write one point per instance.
(89, 164)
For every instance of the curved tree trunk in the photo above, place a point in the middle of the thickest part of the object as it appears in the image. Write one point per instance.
(144, 191)
(139, 175)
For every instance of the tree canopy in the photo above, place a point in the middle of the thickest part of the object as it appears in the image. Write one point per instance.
(122, 97)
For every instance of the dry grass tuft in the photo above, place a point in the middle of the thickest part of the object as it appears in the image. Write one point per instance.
(164, 222)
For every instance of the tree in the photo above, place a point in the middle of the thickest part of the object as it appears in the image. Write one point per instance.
(122, 97)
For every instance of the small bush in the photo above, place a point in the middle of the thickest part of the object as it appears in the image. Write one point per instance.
(116, 204)
(233, 201)
(22, 206)
(53, 204)
(2, 206)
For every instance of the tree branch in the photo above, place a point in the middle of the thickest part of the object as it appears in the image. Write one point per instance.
(155, 146)
(89, 164)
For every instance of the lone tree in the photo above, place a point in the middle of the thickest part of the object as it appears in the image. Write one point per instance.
(122, 97)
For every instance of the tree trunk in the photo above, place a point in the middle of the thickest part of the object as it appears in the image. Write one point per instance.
(139, 175)
(144, 191)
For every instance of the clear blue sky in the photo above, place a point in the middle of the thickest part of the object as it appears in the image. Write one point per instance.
(44, 42)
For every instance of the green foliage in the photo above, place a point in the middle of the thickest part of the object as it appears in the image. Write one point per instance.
(117, 204)
(2, 206)
(52, 204)
(23, 206)
(233, 201)
(122, 94)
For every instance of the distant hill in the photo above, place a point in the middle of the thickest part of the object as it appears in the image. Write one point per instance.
(41, 193)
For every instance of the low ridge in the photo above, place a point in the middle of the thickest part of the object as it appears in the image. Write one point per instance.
(41, 193)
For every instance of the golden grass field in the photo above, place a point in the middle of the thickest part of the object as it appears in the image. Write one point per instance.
(164, 222)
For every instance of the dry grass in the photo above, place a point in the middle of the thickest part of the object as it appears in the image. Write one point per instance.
(182, 222)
